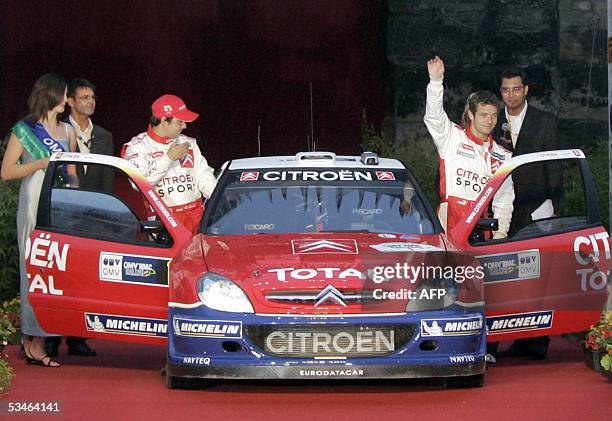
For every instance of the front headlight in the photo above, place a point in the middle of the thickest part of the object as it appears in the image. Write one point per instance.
(219, 293)
(429, 297)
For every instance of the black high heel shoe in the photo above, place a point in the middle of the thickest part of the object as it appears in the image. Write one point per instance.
(45, 361)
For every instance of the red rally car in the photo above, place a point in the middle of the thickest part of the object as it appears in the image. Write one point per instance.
(313, 266)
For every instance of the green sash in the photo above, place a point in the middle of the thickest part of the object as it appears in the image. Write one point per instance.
(31, 143)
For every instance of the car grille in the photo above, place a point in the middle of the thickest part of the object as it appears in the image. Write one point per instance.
(314, 296)
(349, 341)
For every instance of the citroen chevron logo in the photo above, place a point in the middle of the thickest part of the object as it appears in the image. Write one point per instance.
(249, 176)
(331, 295)
(385, 175)
(187, 160)
(324, 246)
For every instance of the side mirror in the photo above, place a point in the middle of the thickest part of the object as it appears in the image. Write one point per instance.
(150, 227)
(156, 230)
(487, 224)
(483, 225)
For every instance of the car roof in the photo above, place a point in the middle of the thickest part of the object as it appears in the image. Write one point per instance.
(315, 159)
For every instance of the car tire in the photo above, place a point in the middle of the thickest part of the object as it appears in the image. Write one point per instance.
(477, 380)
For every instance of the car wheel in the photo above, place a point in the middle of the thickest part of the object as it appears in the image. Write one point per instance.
(465, 381)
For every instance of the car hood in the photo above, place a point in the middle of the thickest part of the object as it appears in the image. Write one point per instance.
(319, 273)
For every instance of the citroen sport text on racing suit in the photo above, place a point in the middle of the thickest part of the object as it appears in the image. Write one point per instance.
(181, 183)
(466, 165)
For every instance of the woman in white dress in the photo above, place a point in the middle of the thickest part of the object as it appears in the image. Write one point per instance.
(27, 155)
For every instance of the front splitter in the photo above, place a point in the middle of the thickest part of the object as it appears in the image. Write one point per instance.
(326, 372)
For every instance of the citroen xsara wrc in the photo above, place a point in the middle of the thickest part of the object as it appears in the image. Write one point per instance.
(312, 266)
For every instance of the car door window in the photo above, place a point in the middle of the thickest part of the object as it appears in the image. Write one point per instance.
(566, 210)
(550, 198)
(114, 214)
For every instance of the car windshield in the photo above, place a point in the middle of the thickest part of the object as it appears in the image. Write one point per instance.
(304, 201)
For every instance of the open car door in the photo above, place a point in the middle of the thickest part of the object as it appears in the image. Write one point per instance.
(98, 261)
(549, 276)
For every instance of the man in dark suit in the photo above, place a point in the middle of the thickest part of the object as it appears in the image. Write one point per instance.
(91, 138)
(523, 129)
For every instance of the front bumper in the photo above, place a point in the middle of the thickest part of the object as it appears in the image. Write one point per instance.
(224, 353)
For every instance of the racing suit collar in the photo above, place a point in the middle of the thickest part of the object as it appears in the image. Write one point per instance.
(480, 142)
(159, 139)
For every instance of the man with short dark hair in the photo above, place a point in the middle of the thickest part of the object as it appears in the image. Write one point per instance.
(523, 129)
(468, 154)
(91, 138)
(172, 162)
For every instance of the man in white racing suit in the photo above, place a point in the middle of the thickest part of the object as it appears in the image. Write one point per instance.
(468, 155)
(172, 162)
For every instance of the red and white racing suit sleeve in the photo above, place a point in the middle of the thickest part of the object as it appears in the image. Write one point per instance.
(502, 206)
(205, 175)
(439, 125)
(441, 129)
(153, 164)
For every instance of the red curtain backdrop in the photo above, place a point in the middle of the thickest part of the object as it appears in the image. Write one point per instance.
(242, 64)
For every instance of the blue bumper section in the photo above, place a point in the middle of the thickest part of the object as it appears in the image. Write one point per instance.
(210, 344)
